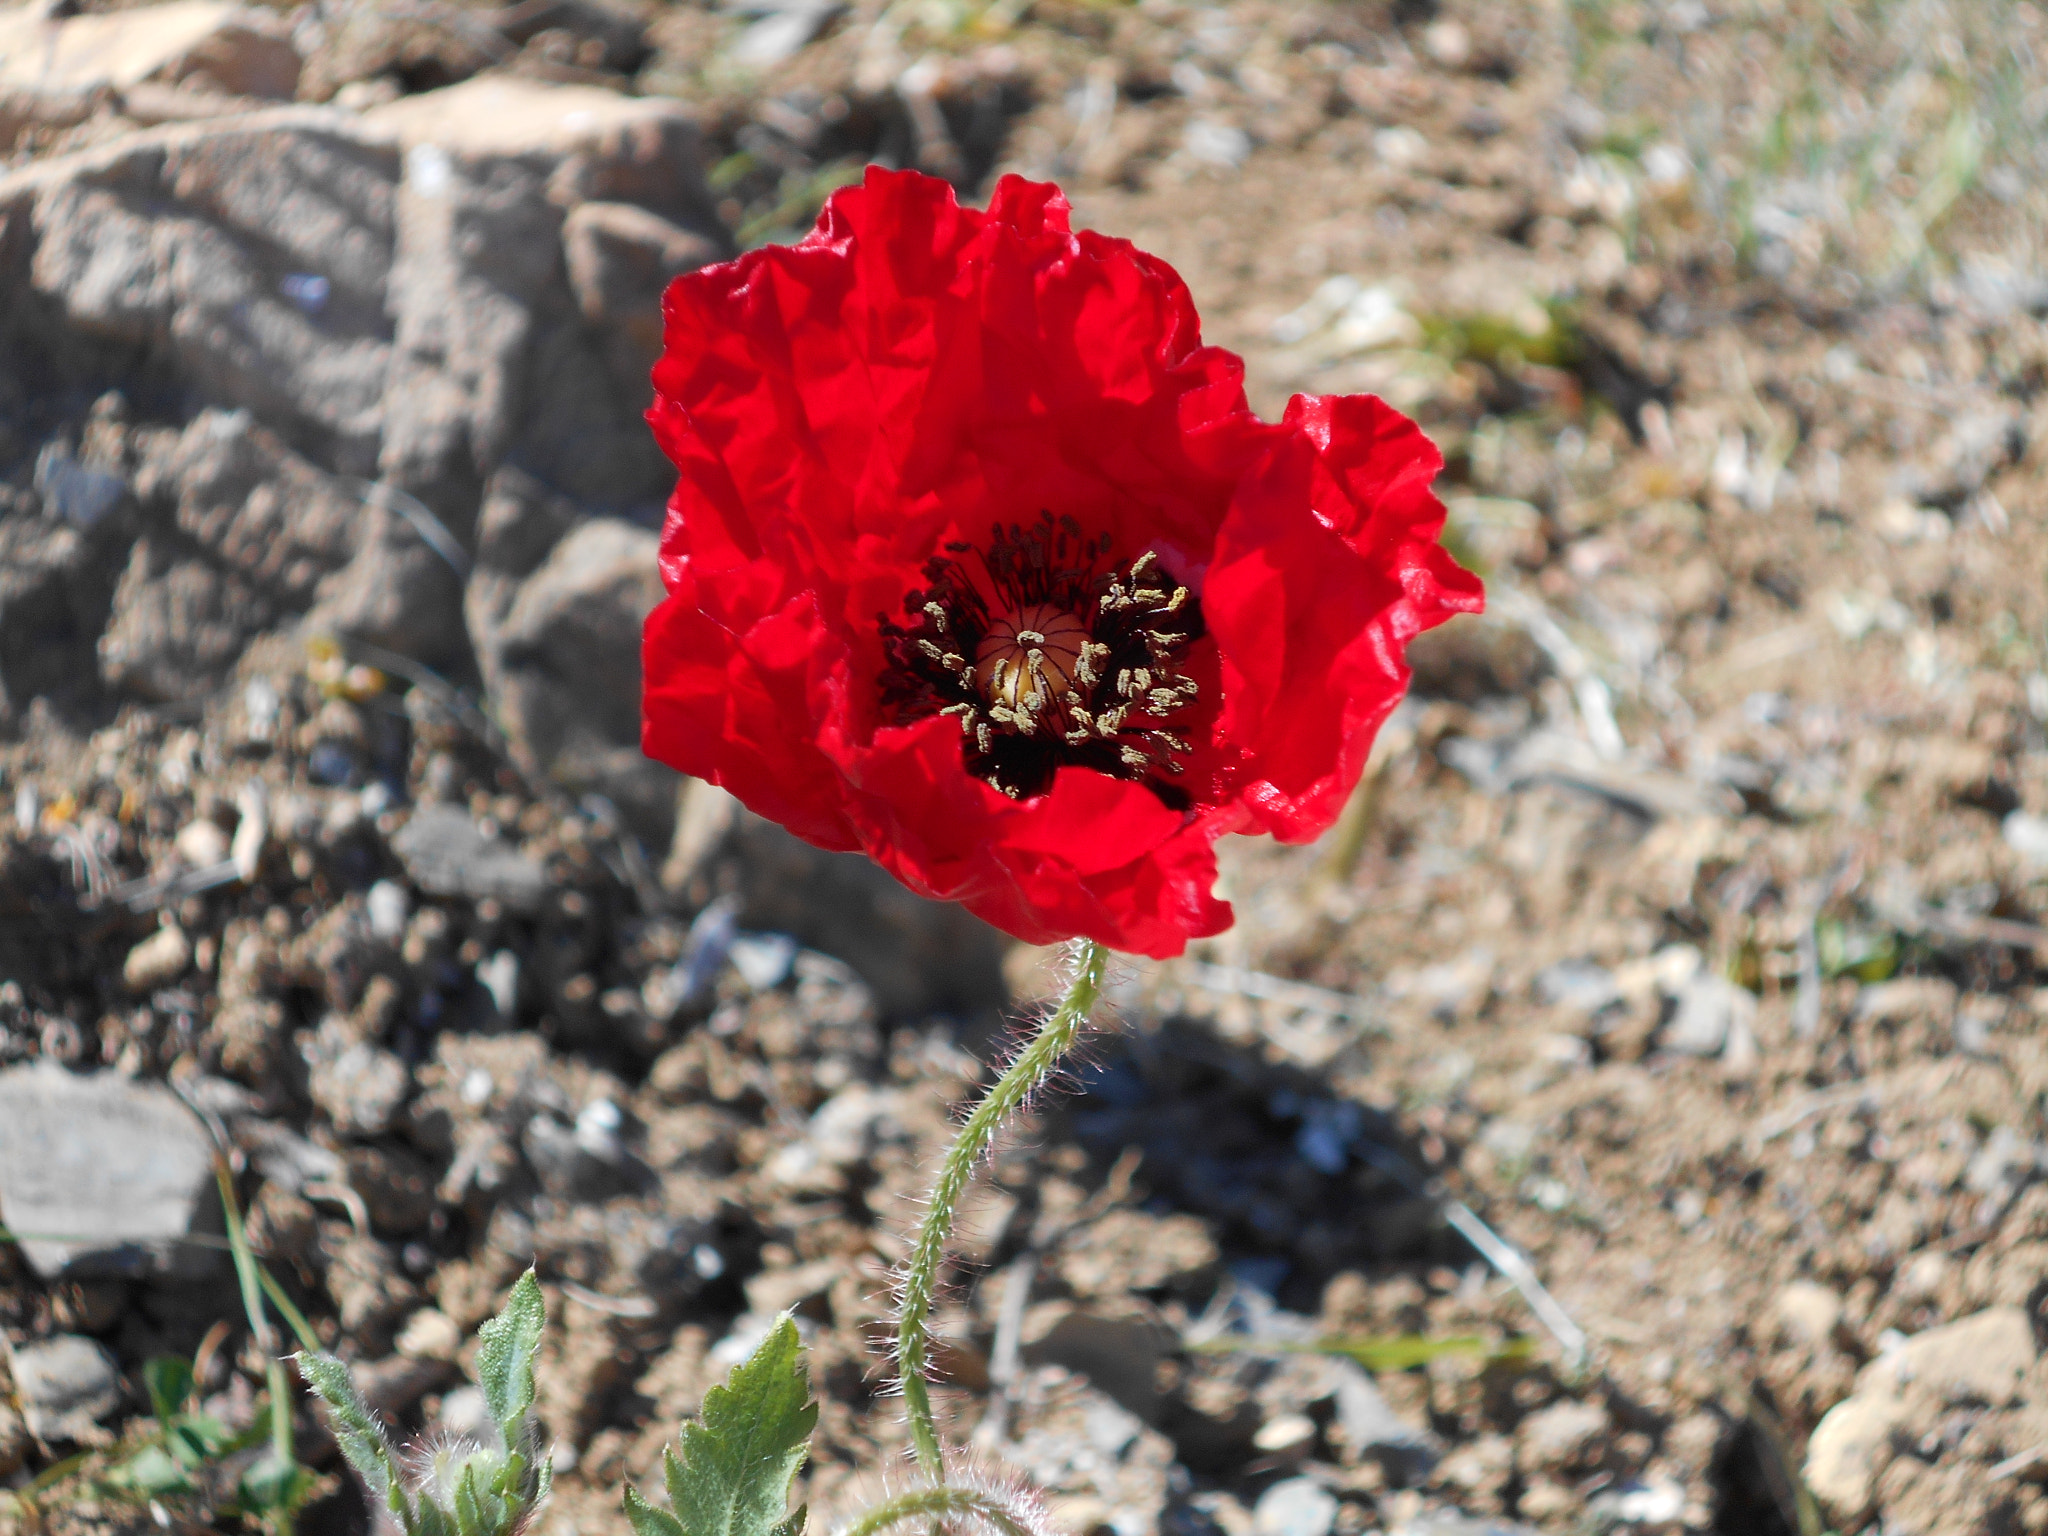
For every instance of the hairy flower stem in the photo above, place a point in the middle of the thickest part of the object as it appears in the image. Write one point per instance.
(1034, 1063)
(941, 1504)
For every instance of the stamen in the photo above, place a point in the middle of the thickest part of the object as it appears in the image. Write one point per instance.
(1020, 644)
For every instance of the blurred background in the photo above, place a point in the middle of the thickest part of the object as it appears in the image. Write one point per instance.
(1627, 1119)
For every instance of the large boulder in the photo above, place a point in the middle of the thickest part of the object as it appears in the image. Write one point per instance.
(563, 667)
(333, 332)
(55, 69)
(240, 263)
(238, 533)
(496, 361)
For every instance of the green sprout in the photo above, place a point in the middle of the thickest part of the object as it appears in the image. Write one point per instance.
(461, 1486)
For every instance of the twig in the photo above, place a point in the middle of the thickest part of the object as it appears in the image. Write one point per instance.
(1506, 1259)
(1237, 981)
(343, 1196)
(1789, 1119)
(432, 531)
(1589, 691)
(1003, 1354)
(2028, 1460)
(1517, 1270)
(613, 1306)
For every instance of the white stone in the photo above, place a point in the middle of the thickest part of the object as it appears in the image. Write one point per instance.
(158, 960)
(1983, 1358)
(1807, 1313)
(1297, 1506)
(201, 843)
(430, 1334)
(1849, 1449)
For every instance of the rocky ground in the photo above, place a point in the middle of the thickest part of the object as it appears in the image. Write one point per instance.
(1657, 1041)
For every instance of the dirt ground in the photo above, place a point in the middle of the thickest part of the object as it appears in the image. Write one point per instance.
(1684, 935)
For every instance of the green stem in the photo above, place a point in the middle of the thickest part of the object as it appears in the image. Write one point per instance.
(941, 1504)
(301, 1329)
(281, 1447)
(1034, 1063)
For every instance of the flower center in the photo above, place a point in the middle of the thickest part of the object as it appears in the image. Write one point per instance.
(1046, 660)
(1027, 661)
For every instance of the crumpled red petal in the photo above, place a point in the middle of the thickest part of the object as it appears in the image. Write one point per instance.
(916, 372)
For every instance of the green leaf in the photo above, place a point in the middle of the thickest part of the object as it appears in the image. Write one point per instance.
(272, 1482)
(193, 1439)
(646, 1519)
(362, 1439)
(151, 1473)
(504, 1365)
(469, 1519)
(169, 1380)
(734, 1475)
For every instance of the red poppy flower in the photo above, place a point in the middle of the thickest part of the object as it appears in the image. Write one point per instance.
(979, 563)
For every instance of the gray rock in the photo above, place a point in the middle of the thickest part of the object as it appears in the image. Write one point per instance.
(157, 961)
(1372, 1428)
(1982, 1358)
(1653, 1501)
(917, 956)
(118, 1168)
(211, 45)
(2027, 835)
(1582, 986)
(66, 1384)
(447, 854)
(1850, 1448)
(621, 258)
(179, 243)
(520, 523)
(1120, 1355)
(1711, 1012)
(575, 1165)
(563, 669)
(56, 584)
(179, 623)
(1565, 1436)
(360, 1087)
(495, 360)
(1295, 1506)
(79, 494)
(398, 593)
(244, 531)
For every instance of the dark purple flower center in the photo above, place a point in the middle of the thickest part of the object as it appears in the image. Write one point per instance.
(1047, 659)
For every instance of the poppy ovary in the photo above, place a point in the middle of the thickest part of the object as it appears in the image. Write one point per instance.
(1047, 660)
(1032, 658)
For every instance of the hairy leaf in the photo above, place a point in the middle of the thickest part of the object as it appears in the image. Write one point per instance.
(738, 1461)
(504, 1363)
(362, 1439)
(646, 1519)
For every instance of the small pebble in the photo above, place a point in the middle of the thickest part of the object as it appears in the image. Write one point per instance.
(157, 961)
